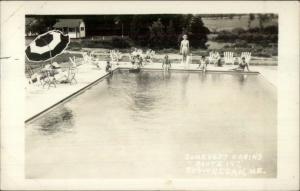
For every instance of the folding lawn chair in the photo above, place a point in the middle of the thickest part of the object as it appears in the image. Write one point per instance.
(228, 58)
(115, 56)
(213, 58)
(49, 79)
(72, 71)
(246, 55)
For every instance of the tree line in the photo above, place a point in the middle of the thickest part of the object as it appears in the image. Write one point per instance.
(154, 31)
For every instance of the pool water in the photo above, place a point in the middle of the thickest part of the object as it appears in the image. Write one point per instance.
(159, 125)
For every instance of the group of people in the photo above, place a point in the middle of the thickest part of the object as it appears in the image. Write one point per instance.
(52, 70)
(184, 51)
(203, 62)
(241, 66)
(138, 58)
(137, 61)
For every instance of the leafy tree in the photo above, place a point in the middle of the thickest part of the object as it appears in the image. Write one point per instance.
(156, 33)
(134, 29)
(171, 35)
(198, 32)
(251, 19)
(263, 18)
(41, 24)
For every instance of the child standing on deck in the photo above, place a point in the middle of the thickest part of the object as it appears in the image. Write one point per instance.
(108, 67)
(203, 64)
(166, 65)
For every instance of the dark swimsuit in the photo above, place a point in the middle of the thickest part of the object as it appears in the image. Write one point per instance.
(242, 65)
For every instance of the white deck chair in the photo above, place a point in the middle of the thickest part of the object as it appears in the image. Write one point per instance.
(246, 55)
(72, 71)
(32, 76)
(228, 58)
(213, 58)
(148, 56)
(119, 55)
(189, 59)
(86, 58)
(115, 56)
(140, 52)
(94, 60)
(152, 55)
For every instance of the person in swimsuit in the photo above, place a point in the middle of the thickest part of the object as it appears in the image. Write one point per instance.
(137, 62)
(242, 65)
(166, 63)
(184, 48)
(203, 64)
(140, 61)
(108, 67)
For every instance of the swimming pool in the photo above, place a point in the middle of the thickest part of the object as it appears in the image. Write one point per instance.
(159, 124)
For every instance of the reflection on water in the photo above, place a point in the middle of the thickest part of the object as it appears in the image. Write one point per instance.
(143, 100)
(108, 79)
(143, 125)
(167, 75)
(184, 82)
(58, 120)
(203, 77)
(242, 79)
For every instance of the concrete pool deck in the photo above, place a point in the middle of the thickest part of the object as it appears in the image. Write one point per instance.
(39, 99)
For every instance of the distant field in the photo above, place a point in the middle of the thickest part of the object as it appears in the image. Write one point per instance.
(236, 22)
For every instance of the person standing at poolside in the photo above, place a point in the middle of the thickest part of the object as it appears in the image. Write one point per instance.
(108, 67)
(166, 65)
(140, 61)
(203, 63)
(184, 48)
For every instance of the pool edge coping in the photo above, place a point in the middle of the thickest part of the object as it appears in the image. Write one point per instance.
(68, 97)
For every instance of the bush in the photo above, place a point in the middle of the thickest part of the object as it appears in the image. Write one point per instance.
(273, 38)
(120, 43)
(227, 37)
(74, 46)
(198, 32)
(271, 30)
(238, 31)
(256, 38)
(242, 44)
(254, 30)
(96, 44)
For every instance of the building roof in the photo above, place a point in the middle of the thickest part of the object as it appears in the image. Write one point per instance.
(71, 23)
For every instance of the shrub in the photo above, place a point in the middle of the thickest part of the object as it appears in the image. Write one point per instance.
(74, 46)
(242, 44)
(96, 44)
(120, 43)
(271, 29)
(227, 37)
(238, 30)
(199, 32)
(254, 30)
